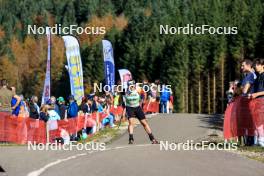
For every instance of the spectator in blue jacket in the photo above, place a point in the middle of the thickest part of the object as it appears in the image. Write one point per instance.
(14, 101)
(73, 107)
(164, 99)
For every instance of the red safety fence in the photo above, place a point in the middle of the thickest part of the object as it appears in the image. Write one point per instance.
(117, 111)
(244, 117)
(151, 107)
(21, 130)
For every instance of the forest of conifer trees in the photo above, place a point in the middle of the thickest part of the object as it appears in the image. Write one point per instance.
(199, 67)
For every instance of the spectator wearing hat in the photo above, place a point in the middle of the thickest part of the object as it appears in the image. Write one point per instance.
(62, 108)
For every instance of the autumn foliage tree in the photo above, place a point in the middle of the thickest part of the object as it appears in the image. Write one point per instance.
(199, 67)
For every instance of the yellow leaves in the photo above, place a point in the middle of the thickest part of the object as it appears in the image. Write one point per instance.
(29, 65)
(38, 20)
(88, 89)
(17, 49)
(26, 65)
(8, 71)
(51, 20)
(29, 58)
(26, 54)
(148, 12)
(107, 21)
(121, 22)
(2, 33)
(19, 26)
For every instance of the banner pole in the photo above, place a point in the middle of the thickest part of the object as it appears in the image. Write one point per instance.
(47, 132)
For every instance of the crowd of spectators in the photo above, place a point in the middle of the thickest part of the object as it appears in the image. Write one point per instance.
(251, 86)
(61, 109)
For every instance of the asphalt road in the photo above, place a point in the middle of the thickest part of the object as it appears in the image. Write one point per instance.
(141, 158)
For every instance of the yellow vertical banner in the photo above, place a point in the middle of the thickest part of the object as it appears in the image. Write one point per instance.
(74, 67)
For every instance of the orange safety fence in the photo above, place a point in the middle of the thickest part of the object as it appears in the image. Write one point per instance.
(117, 111)
(152, 107)
(72, 125)
(21, 130)
(244, 117)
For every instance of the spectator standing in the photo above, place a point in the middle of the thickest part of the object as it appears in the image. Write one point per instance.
(92, 129)
(73, 107)
(6, 98)
(15, 110)
(34, 108)
(117, 102)
(54, 104)
(94, 108)
(116, 99)
(259, 93)
(109, 97)
(157, 83)
(248, 88)
(62, 108)
(249, 77)
(24, 110)
(154, 92)
(259, 83)
(44, 115)
(72, 112)
(95, 104)
(164, 99)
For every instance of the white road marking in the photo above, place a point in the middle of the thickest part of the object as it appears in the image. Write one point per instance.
(41, 170)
